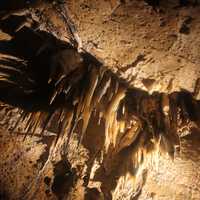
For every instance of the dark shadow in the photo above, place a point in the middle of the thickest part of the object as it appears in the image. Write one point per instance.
(4, 195)
(63, 179)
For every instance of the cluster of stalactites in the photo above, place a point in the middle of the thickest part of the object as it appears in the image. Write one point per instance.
(126, 113)
(130, 117)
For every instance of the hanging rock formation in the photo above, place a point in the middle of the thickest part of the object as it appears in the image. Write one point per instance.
(99, 100)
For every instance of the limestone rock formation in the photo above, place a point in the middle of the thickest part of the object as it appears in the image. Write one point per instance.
(99, 99)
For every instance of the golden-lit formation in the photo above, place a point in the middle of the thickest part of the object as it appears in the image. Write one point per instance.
(79, 91)
(130, 117)
(59, 90)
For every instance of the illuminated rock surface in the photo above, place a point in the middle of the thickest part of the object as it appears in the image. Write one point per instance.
(121, 125)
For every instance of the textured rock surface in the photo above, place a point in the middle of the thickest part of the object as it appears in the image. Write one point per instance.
(152, 49)
(145, 47)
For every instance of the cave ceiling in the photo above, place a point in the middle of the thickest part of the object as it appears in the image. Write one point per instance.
(99, 99)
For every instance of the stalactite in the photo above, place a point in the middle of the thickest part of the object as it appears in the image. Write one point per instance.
(101, 91)
(5, 77)
(87, 102)
(129, 136)
(111, 117)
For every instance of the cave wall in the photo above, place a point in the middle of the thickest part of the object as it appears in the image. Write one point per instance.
(153, 49)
